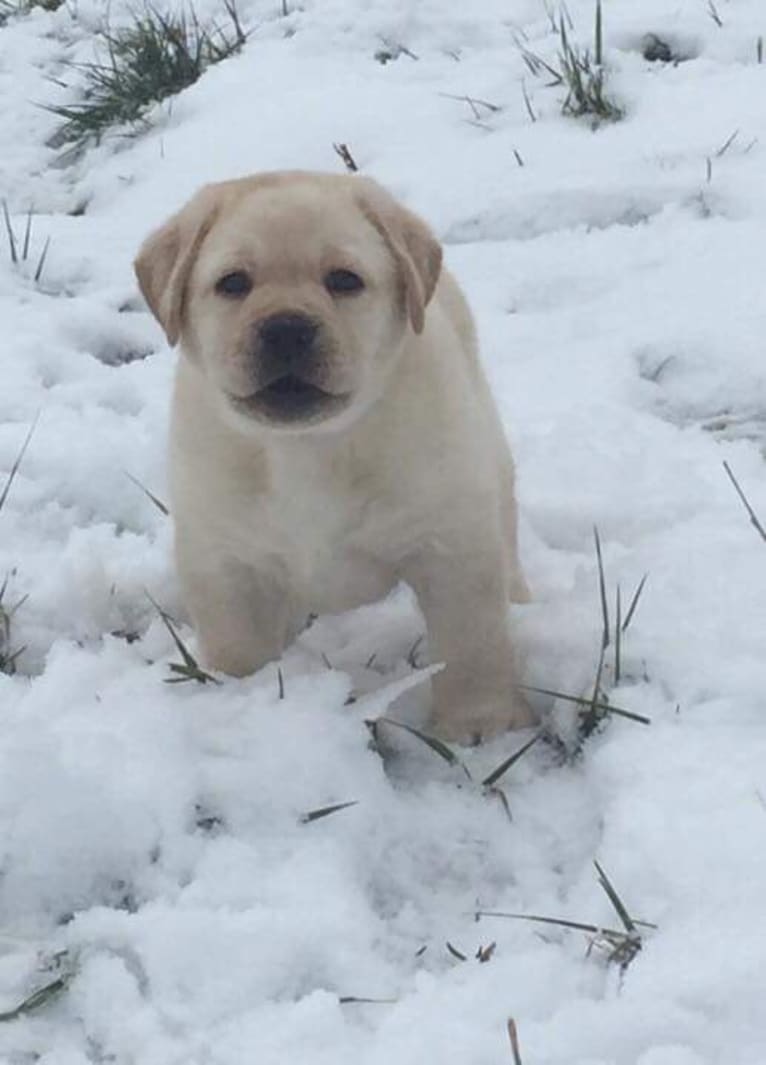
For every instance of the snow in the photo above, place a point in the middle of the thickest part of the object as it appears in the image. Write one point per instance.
(151, 841)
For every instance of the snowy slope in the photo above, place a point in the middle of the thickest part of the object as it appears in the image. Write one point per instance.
(150, 836)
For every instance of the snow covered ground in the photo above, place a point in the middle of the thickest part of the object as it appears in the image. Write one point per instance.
(151, 843)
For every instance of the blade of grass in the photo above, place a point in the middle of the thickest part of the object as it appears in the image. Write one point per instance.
(500, 794)
(593, 713)
(436, 745)
(187, 656)
(149, 495)
(350, 1000)
(602, 590)
(39, 998)
(455, 952)
(606, 707)
(745, 502)
(634, 603)
(615, 899)
(528, 102)
(727, 144)
(560, 922)
(513, 1035)
(17, 462)
(41, 262)
(326, 811)
(27, 235)
(190, 670)
(495, 775)
(618, 638)
(11, 235)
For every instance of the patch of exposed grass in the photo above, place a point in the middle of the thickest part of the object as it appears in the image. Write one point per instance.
(156, 57)
(580, 71)
(595, 708)
(619, 945)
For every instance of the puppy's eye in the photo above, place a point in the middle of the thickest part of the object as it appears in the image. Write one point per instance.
(342, 282)
(235, 284)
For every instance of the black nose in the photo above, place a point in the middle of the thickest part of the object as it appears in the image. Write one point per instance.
(288, 334)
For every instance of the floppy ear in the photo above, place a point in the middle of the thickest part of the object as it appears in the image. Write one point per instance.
(166, 257)
(416, 250)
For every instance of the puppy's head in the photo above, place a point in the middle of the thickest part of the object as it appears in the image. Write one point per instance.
(293, 292)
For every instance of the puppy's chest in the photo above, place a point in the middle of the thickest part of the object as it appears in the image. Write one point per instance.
(333, 535)
(312, 518)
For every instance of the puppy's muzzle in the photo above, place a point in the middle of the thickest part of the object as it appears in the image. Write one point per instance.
(288, 364)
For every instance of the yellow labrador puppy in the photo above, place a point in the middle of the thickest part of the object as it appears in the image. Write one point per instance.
(333, 432)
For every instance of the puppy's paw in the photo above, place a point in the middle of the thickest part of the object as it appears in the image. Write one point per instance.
(469, 725)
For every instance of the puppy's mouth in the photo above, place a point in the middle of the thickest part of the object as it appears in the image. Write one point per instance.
(291, 399)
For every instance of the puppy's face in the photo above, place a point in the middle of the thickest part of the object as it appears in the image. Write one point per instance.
(292, 292)
(293, 307)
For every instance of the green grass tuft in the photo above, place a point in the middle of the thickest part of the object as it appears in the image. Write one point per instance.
(579, 71)
(156, 57)
(620, 945)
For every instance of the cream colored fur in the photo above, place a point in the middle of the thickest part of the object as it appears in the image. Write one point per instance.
(409, 479)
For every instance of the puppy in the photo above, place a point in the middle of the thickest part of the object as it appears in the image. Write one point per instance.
(333, 432)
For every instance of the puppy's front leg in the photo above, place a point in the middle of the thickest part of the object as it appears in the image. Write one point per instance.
(241, 617)
(463, 594)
